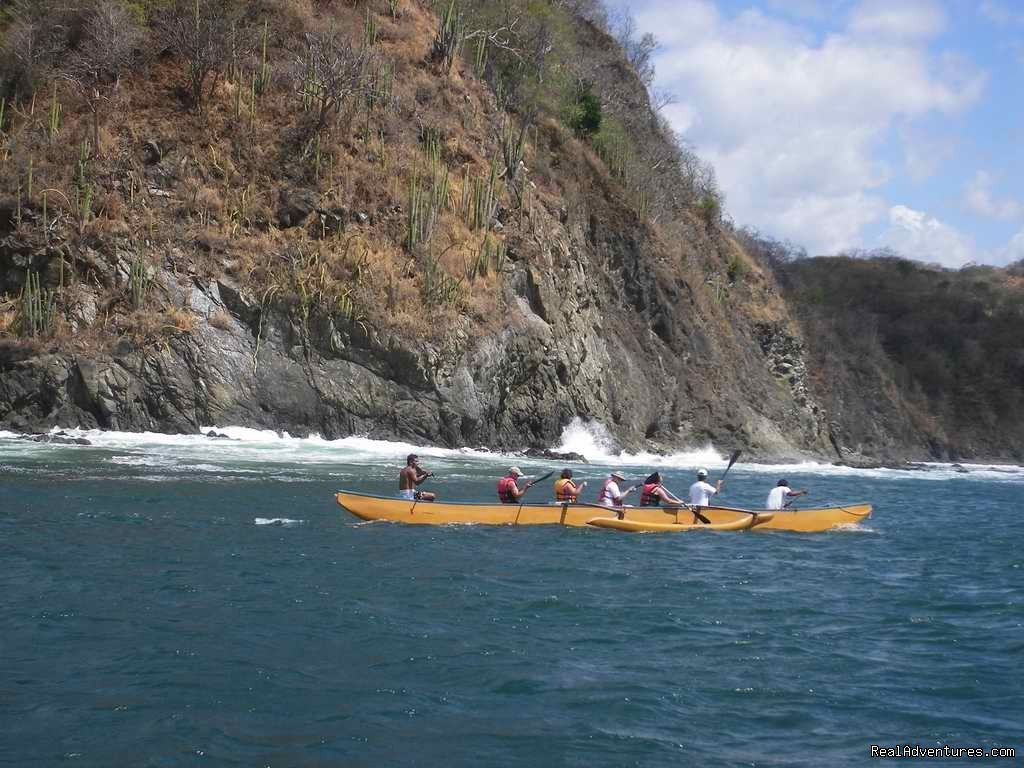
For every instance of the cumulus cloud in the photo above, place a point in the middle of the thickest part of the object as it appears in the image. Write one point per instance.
(794, 121)
(979, 198)
(909, 19)
(921, 236)
(1014, 250)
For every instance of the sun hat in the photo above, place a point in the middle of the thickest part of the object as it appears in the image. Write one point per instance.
(702, 472)
(515, 471)
(617, 475)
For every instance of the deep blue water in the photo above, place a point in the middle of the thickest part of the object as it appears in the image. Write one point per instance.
(150, 617)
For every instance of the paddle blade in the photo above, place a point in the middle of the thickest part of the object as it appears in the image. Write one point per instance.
(732, 460)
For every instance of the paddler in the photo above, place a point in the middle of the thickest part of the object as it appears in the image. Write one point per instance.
(653, 493)
(777, 497)
(411, 476)
(565, 489)
(610, 495)
(508, 487)
(702, 491)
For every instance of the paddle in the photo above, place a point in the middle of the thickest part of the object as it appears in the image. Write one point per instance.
(539, 479)
(732, 460)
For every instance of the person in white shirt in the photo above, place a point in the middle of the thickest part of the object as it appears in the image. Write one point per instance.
(610, 495)
(702, 491)
(779, 496)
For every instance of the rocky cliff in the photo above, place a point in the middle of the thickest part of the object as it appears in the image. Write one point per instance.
(187, 295)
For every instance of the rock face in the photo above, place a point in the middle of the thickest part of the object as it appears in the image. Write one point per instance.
(593, 331)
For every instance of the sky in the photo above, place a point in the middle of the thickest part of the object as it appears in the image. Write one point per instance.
(855, 124)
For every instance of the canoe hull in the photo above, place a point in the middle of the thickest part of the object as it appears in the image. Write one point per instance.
(636, 526)
(369, 507)
(810, 520)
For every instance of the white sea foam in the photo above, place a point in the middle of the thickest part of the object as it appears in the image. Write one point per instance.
(249, 451)
(284, 521)
(592, 439)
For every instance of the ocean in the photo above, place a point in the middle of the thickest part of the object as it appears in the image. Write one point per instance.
(188, 601)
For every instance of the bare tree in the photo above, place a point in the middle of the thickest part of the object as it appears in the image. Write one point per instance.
(34, 40)
(331, 72)
(200, 32)
(110, 41)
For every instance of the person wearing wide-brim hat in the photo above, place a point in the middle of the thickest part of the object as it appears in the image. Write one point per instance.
(610, 495)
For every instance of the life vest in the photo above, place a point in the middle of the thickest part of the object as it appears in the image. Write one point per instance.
(648, 497)
(506, 490)
(561, 491)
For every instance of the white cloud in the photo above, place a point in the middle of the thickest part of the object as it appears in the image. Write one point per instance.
(907, 19)
(1014, 250)
(919, 236)
(978, 198)
(794, 122)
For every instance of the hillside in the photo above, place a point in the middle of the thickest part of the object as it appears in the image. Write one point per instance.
(908, 356)
(452, 223)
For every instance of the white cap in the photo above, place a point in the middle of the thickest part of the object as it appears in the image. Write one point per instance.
(702, 472)
(515, 471)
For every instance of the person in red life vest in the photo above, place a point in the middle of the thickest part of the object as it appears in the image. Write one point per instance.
(411, 476)
(565, 489)
(653, 493)
(508, 487)
(610, 495)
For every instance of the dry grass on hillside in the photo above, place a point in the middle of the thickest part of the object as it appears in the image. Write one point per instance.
(211, 203)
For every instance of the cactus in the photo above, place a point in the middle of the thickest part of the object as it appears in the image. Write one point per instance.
(263, 73)
(513, 144)
(138, 283)
(491, 253)
(3, 110)
(480, 61)
(380, 87)
(31, 166)
(369, 30)
(395, 8)
(252, 105)
(54, 117)
(449, 38)
(643, 202)
(479, 198)
(36, 307)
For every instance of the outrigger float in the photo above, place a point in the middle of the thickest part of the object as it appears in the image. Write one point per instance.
(626, 518)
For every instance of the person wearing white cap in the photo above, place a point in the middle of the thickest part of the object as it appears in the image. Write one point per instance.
(610, 495)
(508, 488)
(702, 491)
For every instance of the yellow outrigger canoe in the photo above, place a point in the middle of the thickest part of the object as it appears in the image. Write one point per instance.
(369, 507)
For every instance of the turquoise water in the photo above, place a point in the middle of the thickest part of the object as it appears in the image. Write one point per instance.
(188, 602)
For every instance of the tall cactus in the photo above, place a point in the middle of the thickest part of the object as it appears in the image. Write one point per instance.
(449, 37)
(36, 307)
(138, 282)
